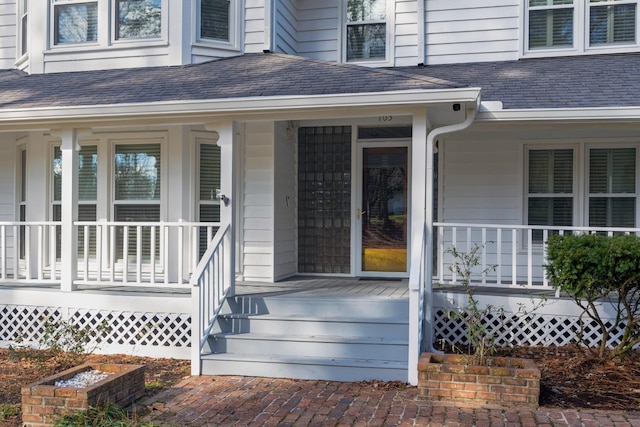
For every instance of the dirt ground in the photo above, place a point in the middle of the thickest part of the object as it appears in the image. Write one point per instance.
(570, 378)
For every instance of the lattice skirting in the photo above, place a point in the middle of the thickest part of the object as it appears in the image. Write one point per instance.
(128, 332)
(510, 329)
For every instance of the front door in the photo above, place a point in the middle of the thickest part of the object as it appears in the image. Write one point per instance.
(382, 211)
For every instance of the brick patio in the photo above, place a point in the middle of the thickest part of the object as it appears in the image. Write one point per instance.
(247, 401)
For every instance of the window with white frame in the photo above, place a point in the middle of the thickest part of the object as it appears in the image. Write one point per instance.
(366, 30)
(550, 188)
(214, 20)
(580, 25)
(101, 21)
(75, 21)
(610, 190)
(612, 187)
(23, 13)
(138, 19)
(87, 193)
(208, 186)
(137, 193)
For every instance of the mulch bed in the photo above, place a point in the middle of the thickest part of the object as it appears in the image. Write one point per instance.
(571, 376)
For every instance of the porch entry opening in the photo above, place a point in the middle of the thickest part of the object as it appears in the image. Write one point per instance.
(383, 210)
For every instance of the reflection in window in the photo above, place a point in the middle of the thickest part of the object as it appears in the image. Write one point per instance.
(550, 23)
(138, 19)
(137, 196)
(613, 23)
(366, 30)
(75, 23)
(214, 19)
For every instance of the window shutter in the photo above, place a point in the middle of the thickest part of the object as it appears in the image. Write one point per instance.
(612, 171)
(137, 172)
(551, 171)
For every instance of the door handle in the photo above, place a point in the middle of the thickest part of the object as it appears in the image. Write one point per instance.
(359, 213)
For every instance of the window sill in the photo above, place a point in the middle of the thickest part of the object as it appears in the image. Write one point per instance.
(81, 48)
(599, 50)
(212, 44)
(372, 63)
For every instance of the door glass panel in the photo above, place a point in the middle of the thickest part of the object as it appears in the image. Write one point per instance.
(384, 209)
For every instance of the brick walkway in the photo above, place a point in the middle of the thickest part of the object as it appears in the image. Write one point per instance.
(245, 401)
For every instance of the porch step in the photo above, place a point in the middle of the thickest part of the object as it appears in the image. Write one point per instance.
(311, 345)
(345, 338)
(304, 368)
(306, 325)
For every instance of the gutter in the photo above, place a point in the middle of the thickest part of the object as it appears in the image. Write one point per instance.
(493, 112)
(173, 111)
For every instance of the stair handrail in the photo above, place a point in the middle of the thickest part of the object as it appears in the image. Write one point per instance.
(210, 282)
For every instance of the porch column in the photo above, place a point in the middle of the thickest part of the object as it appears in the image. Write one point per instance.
(228, 203)
(421, 158)
(69, 148)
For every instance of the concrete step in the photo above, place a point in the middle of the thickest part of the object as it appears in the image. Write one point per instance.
(319, 368)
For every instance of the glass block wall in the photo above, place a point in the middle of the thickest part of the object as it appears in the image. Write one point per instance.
(324, 199)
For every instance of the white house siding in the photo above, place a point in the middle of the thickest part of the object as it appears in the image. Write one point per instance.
(285, 25)
(257, 213)
(461, 31)
(318, 29)
(406, 33)
(254, 26)
(480, 180)
(8, 36)
(285, 205)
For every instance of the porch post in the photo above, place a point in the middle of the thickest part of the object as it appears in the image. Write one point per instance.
(228, 203)
(419, 196)
(69, 208)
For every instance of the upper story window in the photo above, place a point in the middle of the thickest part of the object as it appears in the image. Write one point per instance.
(580, 25)
(366, 30)
(75, 22)
(138, 19)
(102, 21)
(23, 13)
(214, 20)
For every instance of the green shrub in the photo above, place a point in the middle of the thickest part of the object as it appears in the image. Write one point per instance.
(596, 268)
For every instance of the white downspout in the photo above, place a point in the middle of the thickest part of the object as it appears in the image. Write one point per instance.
(471, 112)
(421, 32)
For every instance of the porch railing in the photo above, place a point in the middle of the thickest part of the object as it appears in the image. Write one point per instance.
(212, 282)
(127, 253)
(514, 255)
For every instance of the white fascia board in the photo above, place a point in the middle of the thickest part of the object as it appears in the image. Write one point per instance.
(235, 106)
(619, 114)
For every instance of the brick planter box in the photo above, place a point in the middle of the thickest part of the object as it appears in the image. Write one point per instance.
(43, 403)
(502, 383)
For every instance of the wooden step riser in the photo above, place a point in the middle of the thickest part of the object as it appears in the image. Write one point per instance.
(310, 307)
(281, 326)
(263, 346)
(301, 371)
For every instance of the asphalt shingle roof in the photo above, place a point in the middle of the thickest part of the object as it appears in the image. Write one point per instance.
(564, 82)
(250, 75)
